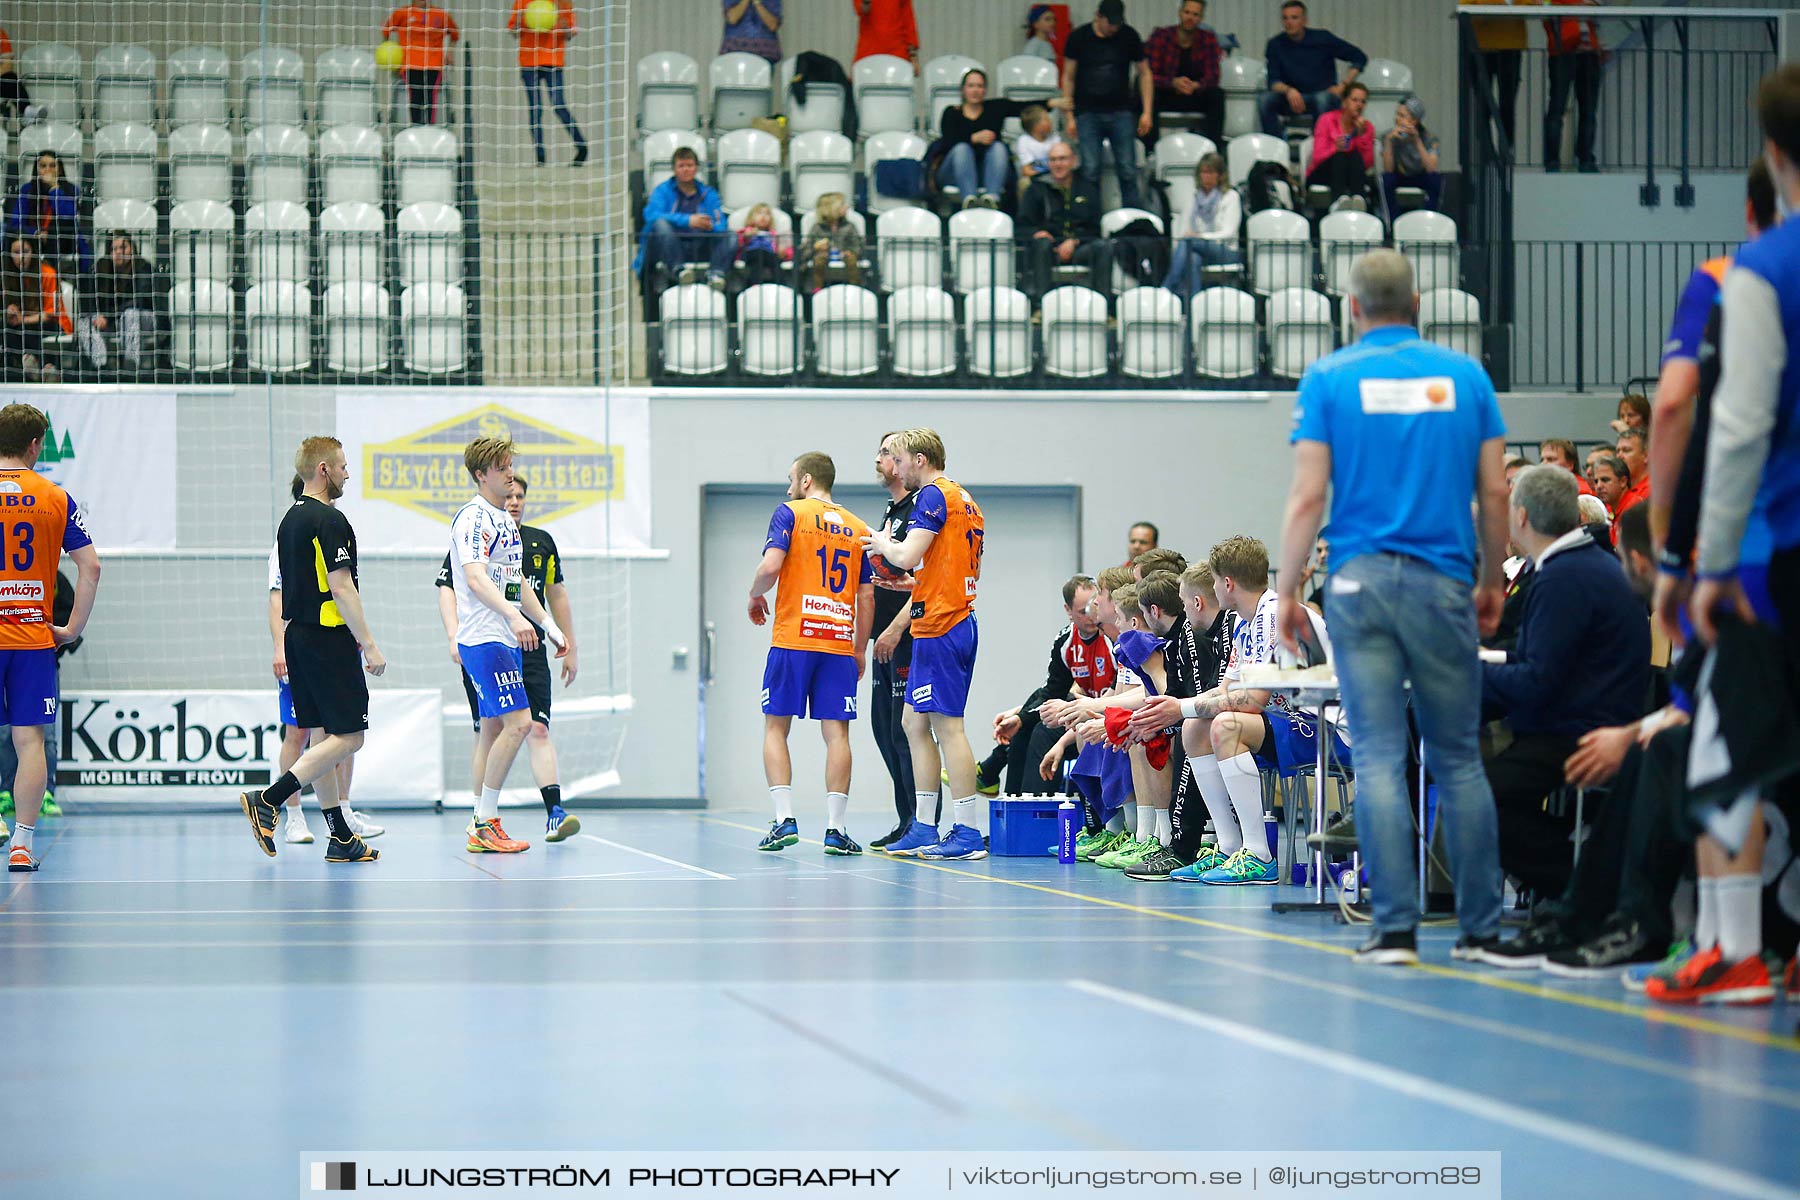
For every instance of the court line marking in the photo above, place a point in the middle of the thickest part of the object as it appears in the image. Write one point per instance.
(24, 876)
(727, 940)
(784, 910)
(673, 862)
(1630, 1151)
(1682, 1020)
(1696, 1077)
(468, 860)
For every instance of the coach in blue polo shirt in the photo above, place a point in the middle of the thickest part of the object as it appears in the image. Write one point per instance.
(1404, 433)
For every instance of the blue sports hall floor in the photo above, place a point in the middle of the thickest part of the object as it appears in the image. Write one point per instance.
(175, 999)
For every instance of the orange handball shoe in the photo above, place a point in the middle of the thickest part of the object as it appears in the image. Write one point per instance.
(20, 860)
(488, 838)
(1707, 979)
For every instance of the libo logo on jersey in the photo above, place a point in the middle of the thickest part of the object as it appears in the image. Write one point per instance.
(423, 471)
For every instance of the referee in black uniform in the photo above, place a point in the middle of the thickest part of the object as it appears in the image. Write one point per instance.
(893, 651)
(328, 648)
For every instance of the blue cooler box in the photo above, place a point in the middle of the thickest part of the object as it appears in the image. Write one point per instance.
(1023, 826)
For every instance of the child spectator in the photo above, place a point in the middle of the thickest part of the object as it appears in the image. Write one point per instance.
(119, 297)
(759, 247)
(1040, 33)
(1033, 149)
(48, 209)
(833, 244)
(34, 309)
(1207, 234)
(1409, 156)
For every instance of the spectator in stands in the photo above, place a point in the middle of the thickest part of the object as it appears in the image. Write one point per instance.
(1514, 464)
(541, 66)
(1501, 44)
(1611, 478)
(1184, 66)
(1033, 146)
(1633, 450)
(976, 160)
(120, 298)
(1040, 33)
(425, 32)
(683, 222)
(12, 92)
(34, 311)
(1302, 66)
(834, 247)
(752, 27)
(1206, 235)
(1634, 413)
(1594, 455)
(1140, 539)
(48, 209)
(1580, 607)
(1575, 57)
(886, 27)
(759, 247)
(1409, 157)
(1596, 518)
(1343, 154)
(1096, 80)
(1059, 223)
(1560, 452)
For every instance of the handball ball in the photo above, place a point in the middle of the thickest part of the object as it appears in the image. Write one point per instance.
(883, 569)
(541, 16)
(388, 56)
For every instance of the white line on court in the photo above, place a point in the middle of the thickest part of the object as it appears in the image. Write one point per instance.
(1626, 1150)
(290, 944)
(673, 862)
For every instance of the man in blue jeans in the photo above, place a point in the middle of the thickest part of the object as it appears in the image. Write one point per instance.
(1404, 556)
(683, 222)
(1098, 59)
(1303, 70)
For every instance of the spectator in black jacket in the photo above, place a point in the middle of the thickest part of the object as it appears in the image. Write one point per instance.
(1580, 608)
(119, 298)
(1059, 223)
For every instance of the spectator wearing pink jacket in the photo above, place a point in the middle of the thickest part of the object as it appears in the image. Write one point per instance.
(1343, 153)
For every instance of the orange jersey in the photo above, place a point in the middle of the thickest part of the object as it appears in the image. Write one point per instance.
(815, 595)
(542, 49)
(38, 521)
(944, 584)
(424, 31)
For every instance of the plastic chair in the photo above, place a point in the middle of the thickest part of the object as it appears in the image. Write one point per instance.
(749, 169)
(768, 329)
(124, 85)
(1345, 237)
(740, 86)
(981, 249)
(668, 91)
(885, 99)
(278, 326)
(200, 233)
(694, 340)
(1246, 150)
(1429, 240)
(277, 159)
(1024, 77)
(273, 79)
(823, 109)
(886, 147)
(344, 88)
(922, 331)
(909, 242)
(998, 329)
(1242, 79)
(200, 325)
(1152, 336)
(846, 331)
(1389, 83)
(1280, 251)
(943, 86)
(426, 163)
(1075, 333)
(1110, 224)
(1300, 331)
(356, 328)
(1224, 331)
(433, 328)
(200, 164)
(350, 159)
(429, 241)
(125, 163)
(820, 162)
(353, 243)
(1177, 156)
(199, 77)
(1451, 318)
(277, 243)
(53, 74)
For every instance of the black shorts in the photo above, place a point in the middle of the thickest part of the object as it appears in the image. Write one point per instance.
(325, 675)
(537, 689)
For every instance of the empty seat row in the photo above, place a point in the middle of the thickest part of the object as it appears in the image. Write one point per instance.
(355, 323)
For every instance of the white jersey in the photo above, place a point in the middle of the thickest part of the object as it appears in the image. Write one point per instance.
(488, 537)
(275, 568)
(1256, 641)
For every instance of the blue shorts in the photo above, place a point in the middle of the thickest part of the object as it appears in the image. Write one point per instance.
(28, 686)
(1291, 742)
(942, 669)
(284, 705)
(498, 673)
(809, 683)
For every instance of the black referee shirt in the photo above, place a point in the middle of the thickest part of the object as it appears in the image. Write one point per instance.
(314, 540)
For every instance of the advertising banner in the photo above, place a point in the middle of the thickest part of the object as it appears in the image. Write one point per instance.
(116, 456)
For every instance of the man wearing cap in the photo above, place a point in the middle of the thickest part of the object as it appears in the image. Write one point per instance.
(1409, 156)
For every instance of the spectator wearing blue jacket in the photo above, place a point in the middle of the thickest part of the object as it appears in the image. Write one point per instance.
(48, 208)
(1302, 66)
(684, 222)
(1582, 662)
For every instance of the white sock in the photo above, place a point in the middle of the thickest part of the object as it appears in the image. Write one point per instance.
(925, 808)
(968, 810)
(836, 805)
(1211, 781)
(488, 807)
(1739, 904)
(783, 799)
(1129, 814)
(21, 836)
(1706, 914)
(1146, 822)
(1244, 781)
(1165, 830)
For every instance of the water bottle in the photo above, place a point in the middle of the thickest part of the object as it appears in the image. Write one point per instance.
(1068, 824)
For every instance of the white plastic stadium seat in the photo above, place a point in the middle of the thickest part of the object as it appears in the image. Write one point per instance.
(820, 162)
(433, 328)
(659, 155)
(425, 165)
(668, 92)
(1280, 251)
(1223, 322)
(429, 238)
(1299, 331)
(1243, 79)
(350, 159)
(1429, 240)
(981, 249)
(356, 328)
(740, 86)
(1177, 155)
(998, 329)
(885, 100)
(1389, 83)
(1345, 237)
(278, 326)
(922, 331)
(273, 80)
(885, 147)
(1116, 220)
(1075, 333)
(749, 169)
(352, 239)
(846, 330)
(1246, 150)
(62, 140)
(1451, 318)
(53, 75)
(768, 329)
(276, 161)
(909, 242)
(200, 332)
(124, 85)
(200, 240)
(694, 340)
(1023, 77)
(198, 79)
(200, 164)
(136, 217)
(125, 163)
(344, 87)
(1152, 334)
(277, 242)
(824, 107)
(943, 86)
